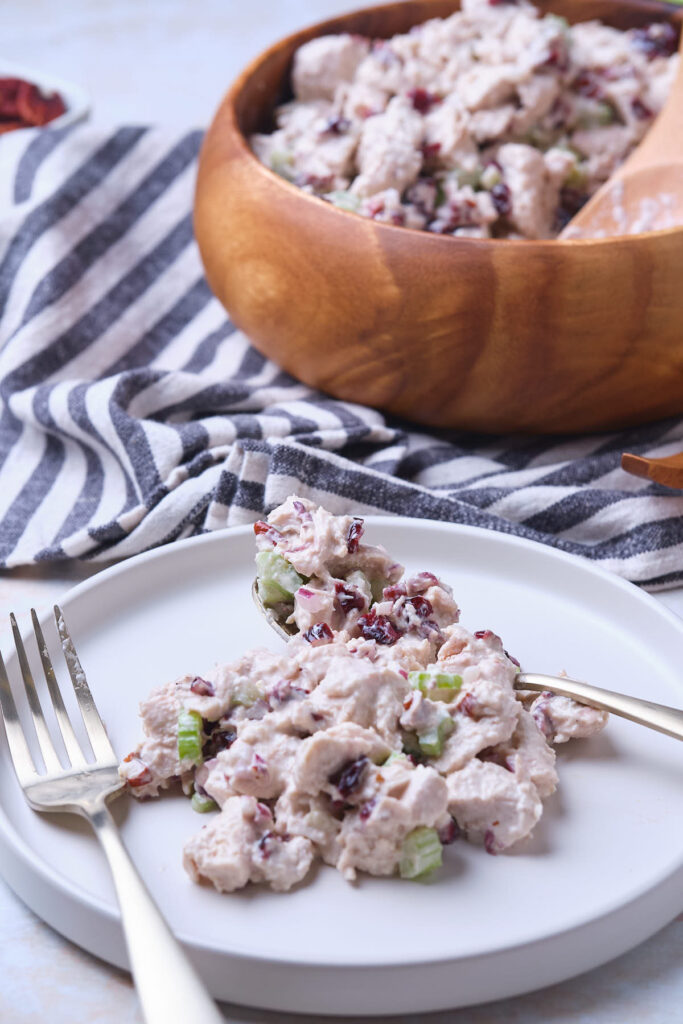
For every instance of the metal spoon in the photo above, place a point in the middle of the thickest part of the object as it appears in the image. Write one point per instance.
(644, 712)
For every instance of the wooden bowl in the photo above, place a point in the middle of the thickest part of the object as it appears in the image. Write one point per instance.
(477, 334)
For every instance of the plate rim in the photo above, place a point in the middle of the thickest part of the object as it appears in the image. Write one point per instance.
(14, 842)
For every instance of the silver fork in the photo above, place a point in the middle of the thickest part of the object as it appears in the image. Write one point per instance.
(169, 989)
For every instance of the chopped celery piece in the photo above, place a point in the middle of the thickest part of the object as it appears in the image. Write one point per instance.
(421, 853)
(606, 114)
(576, 178)
(245, 694)
(596, 114)
(202, 804)
(411, 744)
(277, 579)
(190, 736)
(436, 685)
(557, 19)
(344, 200)
(540, 138)
(491, 176)
(395, 755)
(377, 589)
(431, 742)
(440, 195)
(468, 176)
(281, 163)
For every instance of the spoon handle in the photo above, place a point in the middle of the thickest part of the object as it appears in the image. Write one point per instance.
(667, 470)
(644, 712)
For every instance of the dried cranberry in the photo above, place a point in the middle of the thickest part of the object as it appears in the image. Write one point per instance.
(640, 109)
(420, 582)
(494, 756)
(656, 40)
(502, 200)
(284, 691)
(430, 150)
(422, 606)
(378, 628)
(23, 104)
(544, 721)
(143, 776)
(393, 592)
(571, 201)
(337, 126)
(398, 218)
(263, 844)
(468, 705)
(349, 777)
(202, 687)
(483, 634)
(513, 660)
(218, 739)
(318, 182)
(354, 535)
(423, 100)
(558, 56)
(490, 842)
(450, 832)
(589, 83)
(319, 633)
(346, 598)
(430, 630)
(262, 529)
(302, 511)
(366, 809)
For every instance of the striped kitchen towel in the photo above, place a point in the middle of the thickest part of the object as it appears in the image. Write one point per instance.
(134, 413)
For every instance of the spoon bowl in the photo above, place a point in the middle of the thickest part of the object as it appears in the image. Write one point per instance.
(646, 192)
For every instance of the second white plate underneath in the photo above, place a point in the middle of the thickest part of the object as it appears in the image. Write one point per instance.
(603, 871)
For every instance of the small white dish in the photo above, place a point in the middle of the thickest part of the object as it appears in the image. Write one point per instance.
(75, 98)
(603, 871)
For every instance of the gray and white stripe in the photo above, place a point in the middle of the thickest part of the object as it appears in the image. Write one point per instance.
(132, 412)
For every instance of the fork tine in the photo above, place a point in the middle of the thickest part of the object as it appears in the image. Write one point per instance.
(18, 747)
(73, 747)
(47, 749)
(97, 734)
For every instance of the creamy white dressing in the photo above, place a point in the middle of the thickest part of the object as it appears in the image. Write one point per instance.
(495, 121)
(330, 749)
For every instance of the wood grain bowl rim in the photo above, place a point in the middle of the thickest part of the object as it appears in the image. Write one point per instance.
(673, 14)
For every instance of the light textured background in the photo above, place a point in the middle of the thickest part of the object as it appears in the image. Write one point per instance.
(169, 63)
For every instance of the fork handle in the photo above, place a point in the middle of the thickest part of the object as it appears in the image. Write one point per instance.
(168, 987)
(644, 712)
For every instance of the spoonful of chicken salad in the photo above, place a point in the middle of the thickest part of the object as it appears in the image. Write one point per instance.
(294, 603)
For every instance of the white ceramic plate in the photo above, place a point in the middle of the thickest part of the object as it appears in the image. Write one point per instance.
(603, 871)
(75, 98)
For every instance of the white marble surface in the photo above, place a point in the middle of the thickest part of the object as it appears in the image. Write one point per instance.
(148, 61)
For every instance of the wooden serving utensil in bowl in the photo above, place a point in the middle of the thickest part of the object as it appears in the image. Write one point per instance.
(667, 470)
(646, 192)
(478, 334)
